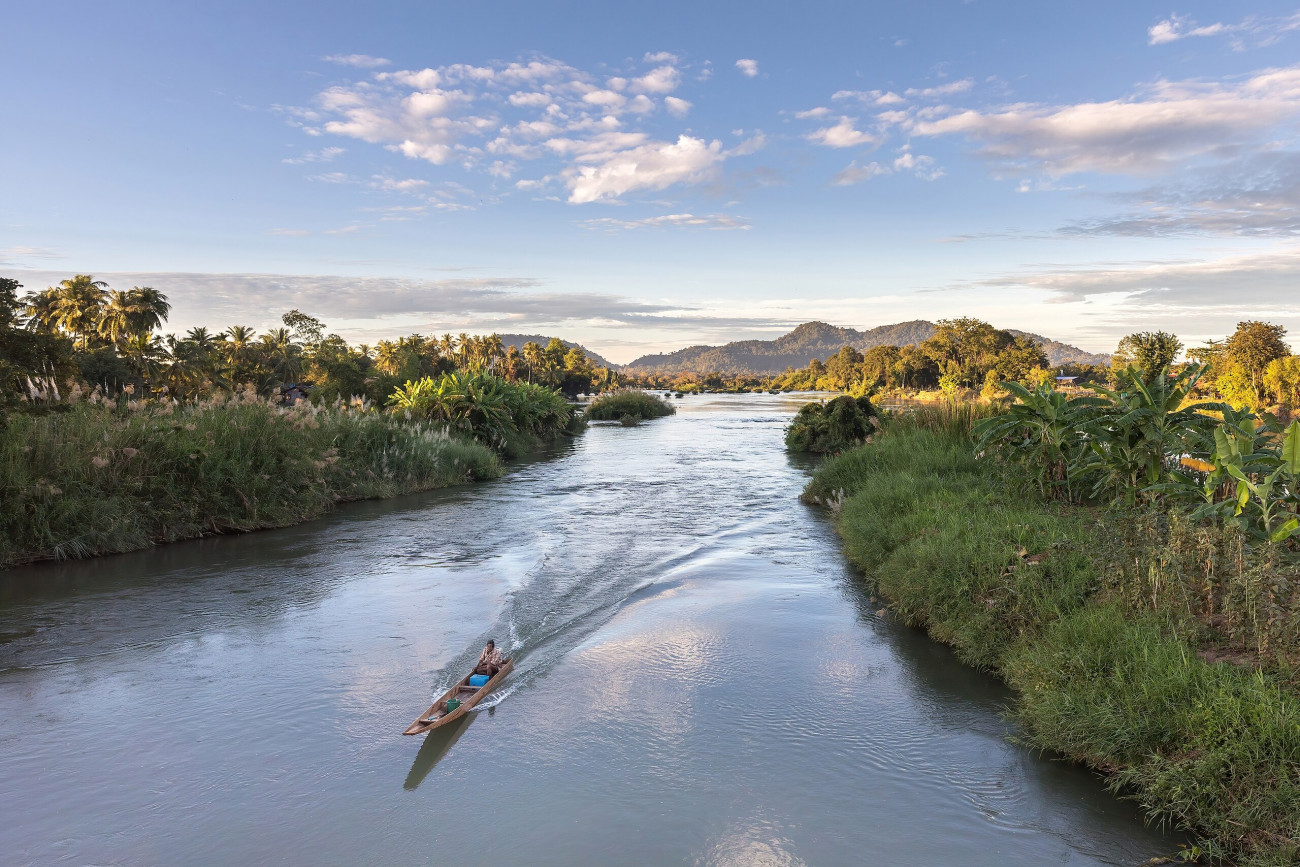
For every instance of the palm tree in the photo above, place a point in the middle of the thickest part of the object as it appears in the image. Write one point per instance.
(238, 347)
(533, 358)
(284, 354)
(80, 306)
(42, 309)
(143, 352)
(493, 350)
(149, 309)
(115, 320)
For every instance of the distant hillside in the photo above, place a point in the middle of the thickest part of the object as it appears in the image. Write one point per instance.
(817, 340)
(1063, 353)
(518, 341)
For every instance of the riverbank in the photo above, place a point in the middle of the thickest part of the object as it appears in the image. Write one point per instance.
(1066, 605)
(97, 479)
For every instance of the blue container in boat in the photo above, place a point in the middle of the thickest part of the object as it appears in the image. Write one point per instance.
(478, 679)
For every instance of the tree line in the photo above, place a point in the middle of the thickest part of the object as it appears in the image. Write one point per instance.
(83, 330)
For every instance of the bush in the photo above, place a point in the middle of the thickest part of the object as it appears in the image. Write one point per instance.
(823, 428)
(511, 417)
(628, 402)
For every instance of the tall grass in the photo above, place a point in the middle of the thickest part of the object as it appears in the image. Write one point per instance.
(628, 403)
(1076, 609)
(102, 479)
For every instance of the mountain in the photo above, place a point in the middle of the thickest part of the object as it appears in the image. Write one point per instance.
(1063, 353)
(818, 340)
(518, 341)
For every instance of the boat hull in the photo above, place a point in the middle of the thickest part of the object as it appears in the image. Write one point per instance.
(437, 715)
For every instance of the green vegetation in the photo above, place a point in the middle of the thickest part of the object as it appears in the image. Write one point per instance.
(834, 426)
(116, 438)
(510, 416)
(1156, 640)
(82, 330)
(108, 476)
(628, 403)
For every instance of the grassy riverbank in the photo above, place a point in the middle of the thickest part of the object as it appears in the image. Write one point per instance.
(1105, 624)
(98, 479)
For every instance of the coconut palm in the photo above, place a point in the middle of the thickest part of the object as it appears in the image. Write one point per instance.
(149, 309)
(145, 353)
(238, 347)
(80, 305)
(285, 355)
(41, 309)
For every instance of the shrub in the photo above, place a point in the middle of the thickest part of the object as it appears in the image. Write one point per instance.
(508, 416)
(628, 402)
(839, 424)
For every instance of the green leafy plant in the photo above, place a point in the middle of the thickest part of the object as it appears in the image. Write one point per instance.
(833, 426)
(1040, 432)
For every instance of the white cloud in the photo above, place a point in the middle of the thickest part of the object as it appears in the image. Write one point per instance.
(676, 107)
(747, 67)
(842, 135)
(906, 162)
(856, 174)
(1243, 285)
(660, 57)
(1163, 128)
(819, 111)
(13, 257)
(531, 99)
(1254, 31)
(948, 89)
(361, 61)
(392, 185)
(290, 233)
(492, 119)
(663, 79)
(870, 97)
(324, 155)
(608, 174)
(705, 221)
(605, 99)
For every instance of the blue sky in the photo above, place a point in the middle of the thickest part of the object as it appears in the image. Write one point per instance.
(647, 177)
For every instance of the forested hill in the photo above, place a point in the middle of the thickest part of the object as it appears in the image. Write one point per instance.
(818, 340)
(518, 341)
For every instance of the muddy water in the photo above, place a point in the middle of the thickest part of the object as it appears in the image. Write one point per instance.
(699, 680)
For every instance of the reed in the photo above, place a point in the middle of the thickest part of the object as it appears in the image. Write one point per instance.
(104, 478)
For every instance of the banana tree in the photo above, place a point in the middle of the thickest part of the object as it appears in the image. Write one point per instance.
(1263, 504)
(1039, 431)
(1144, 430)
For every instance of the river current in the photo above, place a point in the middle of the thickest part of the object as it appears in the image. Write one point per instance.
(700, 679)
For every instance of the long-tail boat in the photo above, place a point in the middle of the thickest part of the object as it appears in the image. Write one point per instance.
(463, 696)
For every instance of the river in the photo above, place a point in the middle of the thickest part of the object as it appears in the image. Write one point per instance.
(699, 680)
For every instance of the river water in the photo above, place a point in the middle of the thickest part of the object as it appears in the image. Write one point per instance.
(699, 680)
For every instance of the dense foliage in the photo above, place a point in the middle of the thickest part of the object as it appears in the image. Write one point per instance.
(110, 476)
(1144, 442)
(82, 330)
(508, 416)
(1157, 648)
(628, 404)
(833, 426)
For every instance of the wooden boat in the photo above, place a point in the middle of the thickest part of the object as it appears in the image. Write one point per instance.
(438, 715)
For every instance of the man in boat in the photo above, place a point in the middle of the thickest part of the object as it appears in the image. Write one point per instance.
(489, 661)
